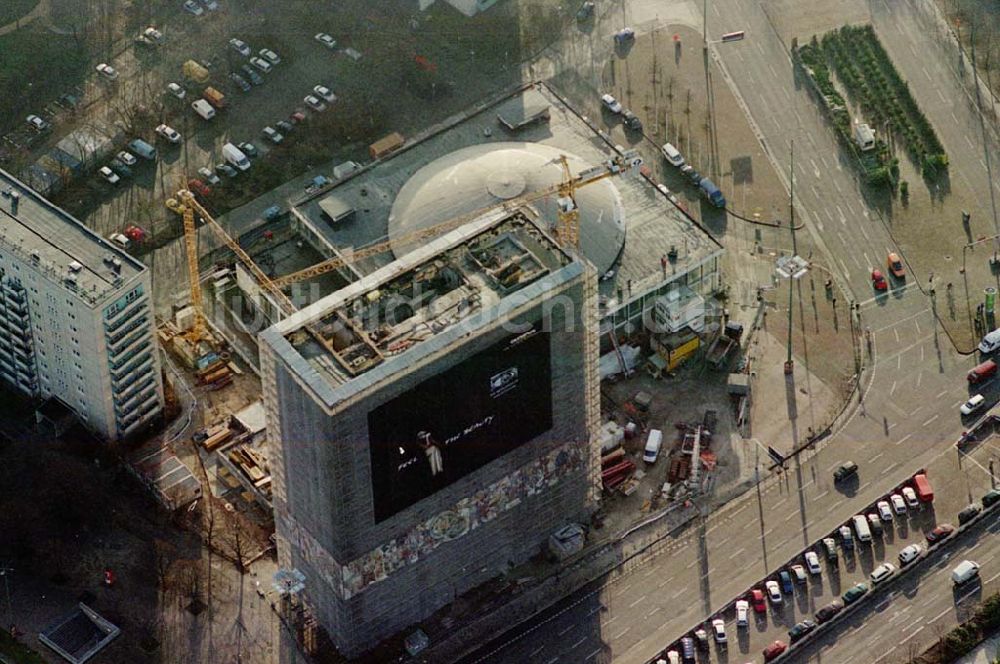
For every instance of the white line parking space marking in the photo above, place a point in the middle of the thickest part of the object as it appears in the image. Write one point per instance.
(903, 439)
(929, 420)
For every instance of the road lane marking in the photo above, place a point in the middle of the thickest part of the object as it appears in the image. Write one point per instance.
(566, 629)
(929, 420)
(935, 618)
(536, 651)
(893, 388)
(916, 410)
(737, 553)
(655, 609)
(820, 496)
(641, 599)
(911, 635)
(903, 439)
(896, 332)
(941, 394)
(618, 636)
(876, 457)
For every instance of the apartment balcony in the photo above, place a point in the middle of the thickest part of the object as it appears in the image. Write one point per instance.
(136, 399)
(124, 316)
(149, 408)
(140, 365)
(124, 331)
(127, 390)
(128, 343)
(17, 321)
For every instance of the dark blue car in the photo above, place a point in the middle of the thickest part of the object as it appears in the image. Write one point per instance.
(786, 581)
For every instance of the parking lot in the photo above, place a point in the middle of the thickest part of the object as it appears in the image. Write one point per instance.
(855, 565)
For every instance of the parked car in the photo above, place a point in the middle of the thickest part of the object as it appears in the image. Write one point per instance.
(270, 56)
(785, 579)
(240, 47)
(109, 175)
(800, 629)
(772, 651)
(898, 504)
(284, 125)
(632, 121)
(969, 513)
(207, 174)
(198, 187)
(324, 92)
(272, 135)
(812, 563)
(875, 524)
(120, 168)
(895, 265)
(672, 155)
(757, 600)
(942, 531)
(965, 571)
(240, 82)
(226, 169)
(127, 158)
(611, 104)
(854, 593)
(990, 498)
(585, 11)
(974, 403)
(878, 281)
(107, 71)
(326, 40)
(829, 611)
(830, 549)
(624, 36)
(846, 538)
(742, 611)
(249, 149)
(153, 35)
(252, 74)
(314, 103)
(261, 64)
(193, 7)
(353, 54)
(687, 649)
(210, 5)
(297, 117)
(910, 497)
(799, 572)
(719, 630)
(881, 573)
(176, 90)
(909, 554)
(773, 591)
(37, 123)
(169, 133)
(884, 511)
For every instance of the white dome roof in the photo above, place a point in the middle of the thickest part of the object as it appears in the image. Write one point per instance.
(482, 176)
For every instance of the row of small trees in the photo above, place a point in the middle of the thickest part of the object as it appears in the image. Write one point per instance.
(872, 81)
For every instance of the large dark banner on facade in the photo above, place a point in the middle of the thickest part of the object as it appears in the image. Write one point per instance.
(459, 420)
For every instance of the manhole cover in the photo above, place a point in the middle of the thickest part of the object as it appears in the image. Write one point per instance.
(947, 258)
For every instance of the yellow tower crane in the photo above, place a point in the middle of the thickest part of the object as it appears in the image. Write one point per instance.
(198, 331)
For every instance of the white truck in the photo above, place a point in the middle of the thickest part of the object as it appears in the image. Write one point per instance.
(203, 109)
(235, 156)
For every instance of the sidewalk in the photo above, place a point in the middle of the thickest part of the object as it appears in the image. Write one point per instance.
(986, 653)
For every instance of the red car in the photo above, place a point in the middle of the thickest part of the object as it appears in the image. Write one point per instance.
(942, 531)
(773, 650)
(878, 280)
(757, 600)
(198, 187)
(297, 117)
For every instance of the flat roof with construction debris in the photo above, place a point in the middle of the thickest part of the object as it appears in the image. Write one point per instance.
(430, 291)
(39, 233)
(654, 227)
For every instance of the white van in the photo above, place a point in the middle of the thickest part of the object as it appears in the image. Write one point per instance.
(235, 156)
(653, 443)
(861, 528)
(990, 342)
(203, 109)
(964, 572)
(672, 155)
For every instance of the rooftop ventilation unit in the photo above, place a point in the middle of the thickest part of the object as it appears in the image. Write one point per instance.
(75, 267)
